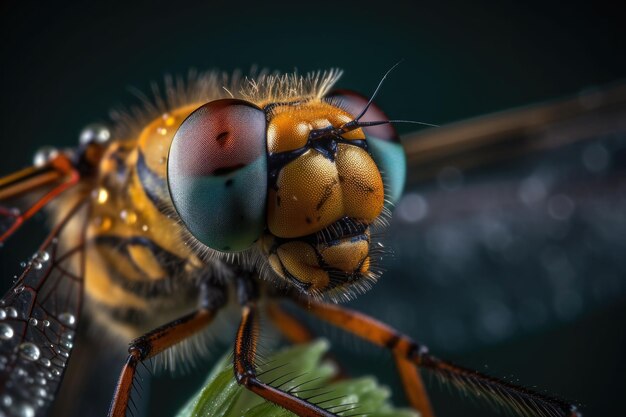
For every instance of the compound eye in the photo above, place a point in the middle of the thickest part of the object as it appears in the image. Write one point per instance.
(217, 174)
(382, 140)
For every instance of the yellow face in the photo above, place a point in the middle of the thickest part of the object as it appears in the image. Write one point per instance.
(323, 194)
(297, 176)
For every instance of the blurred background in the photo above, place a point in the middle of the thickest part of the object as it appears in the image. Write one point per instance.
(516, 267)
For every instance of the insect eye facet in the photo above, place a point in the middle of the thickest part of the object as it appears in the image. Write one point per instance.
(217, 174)
(382, 140)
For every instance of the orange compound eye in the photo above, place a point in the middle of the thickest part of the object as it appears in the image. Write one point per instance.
(217, 174)
(382, 140)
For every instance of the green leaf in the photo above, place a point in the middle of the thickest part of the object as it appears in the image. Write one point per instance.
(301, 368)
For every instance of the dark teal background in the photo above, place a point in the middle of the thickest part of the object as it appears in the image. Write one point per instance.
(65, 65)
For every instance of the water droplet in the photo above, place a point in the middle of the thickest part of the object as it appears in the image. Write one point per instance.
(33, 321)
(58, 362)
(23, 410)
(40, 392)
(42, 256)
(6, 400)
(104, 223)
(67, 344)
(56, 372)
(169, 120)
(18, 290)
(23, 264)
(45, 362)
(94, 133)
(46, 323)
(45, 155)
(129, 217)
(161, 131)
(37, 265)
(3, 314)
(29, 351)
(11, 312)
(67, 319)
(6, 331)
(101, 195)
(145, 228)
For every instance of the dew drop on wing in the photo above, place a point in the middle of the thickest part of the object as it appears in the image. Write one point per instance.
(11, 312)
(50, 286)
(6, 331)
(67, 319)
(29, 351)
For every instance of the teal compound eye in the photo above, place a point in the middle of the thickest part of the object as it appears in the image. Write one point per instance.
(383, 141)
(217, 174)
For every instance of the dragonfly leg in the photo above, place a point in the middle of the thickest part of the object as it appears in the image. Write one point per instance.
(158, 340)
(410, 356)
(245, 369)
(289, 326)
(413, 386)
(374, 331)
(297, 332)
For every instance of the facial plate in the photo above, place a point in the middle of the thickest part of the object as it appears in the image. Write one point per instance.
(383, 141)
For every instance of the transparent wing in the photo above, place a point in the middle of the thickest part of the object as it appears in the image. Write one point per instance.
(38, 320)
(510, 222)
(26, 192)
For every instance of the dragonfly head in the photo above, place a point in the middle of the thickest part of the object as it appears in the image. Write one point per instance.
(299, 180)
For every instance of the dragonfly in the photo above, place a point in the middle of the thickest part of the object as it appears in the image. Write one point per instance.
(273, 188)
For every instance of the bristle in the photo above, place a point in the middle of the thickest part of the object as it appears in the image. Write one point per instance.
(498, 394)
(259, 87)
(187, 354)
(274, 87)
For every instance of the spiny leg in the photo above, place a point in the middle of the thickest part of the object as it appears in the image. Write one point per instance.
(151, 344)
(413, 385)
(411, 379)
(499, 393)
(245, 370)
(212, 298)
